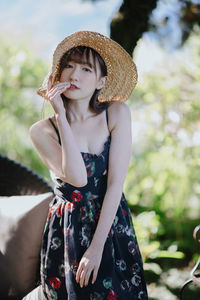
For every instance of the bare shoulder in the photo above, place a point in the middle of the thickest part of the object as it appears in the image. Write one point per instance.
(118, 112)
(40, 127)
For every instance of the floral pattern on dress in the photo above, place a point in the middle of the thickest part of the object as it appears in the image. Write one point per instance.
(71, 222)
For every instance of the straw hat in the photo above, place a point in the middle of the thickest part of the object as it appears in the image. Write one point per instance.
(121, 70)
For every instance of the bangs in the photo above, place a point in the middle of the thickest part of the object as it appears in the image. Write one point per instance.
(82, 55)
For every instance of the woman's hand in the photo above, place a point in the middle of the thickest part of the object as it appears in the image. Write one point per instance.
(89, 262)
(53, 94)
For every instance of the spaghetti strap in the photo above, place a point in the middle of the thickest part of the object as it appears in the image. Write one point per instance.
(59, 140)
(107, 115)
(107, 120)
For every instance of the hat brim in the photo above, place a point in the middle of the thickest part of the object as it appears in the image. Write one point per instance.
(121, 70)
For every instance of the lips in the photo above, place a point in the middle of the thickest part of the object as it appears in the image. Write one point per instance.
(73, 87)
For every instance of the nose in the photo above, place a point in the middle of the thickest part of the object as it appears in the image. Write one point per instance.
(74, 75)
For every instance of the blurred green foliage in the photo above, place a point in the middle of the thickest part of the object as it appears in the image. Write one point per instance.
(21, 73)
(162, 185)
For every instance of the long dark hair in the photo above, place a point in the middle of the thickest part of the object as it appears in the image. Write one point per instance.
(79, 55)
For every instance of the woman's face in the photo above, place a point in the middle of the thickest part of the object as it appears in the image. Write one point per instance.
(84, 77)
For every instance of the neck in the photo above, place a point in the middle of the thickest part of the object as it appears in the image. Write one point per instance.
(78, 110)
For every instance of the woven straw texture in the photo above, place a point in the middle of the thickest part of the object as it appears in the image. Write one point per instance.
(121, 70)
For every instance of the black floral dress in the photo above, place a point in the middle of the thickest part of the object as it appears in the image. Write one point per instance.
(71, 223)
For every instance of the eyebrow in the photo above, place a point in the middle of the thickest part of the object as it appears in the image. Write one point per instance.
(83, 63)
(88, 64)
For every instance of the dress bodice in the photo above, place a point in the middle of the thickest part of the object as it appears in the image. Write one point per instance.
(96, 166)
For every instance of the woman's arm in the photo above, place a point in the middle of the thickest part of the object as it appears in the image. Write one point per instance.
(66, 160)
(119, 158)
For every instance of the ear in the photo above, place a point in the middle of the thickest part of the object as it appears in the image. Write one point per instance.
(101, 82)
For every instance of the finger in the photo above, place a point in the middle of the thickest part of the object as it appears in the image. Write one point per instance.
(87, 276)
(82, 277)
(78, 273)
(63, 88)
(57, 88)
(64, 83)
(55, 95)
(95, 271)
(47, 97)
(78, 276)
(52, 94)
(61, 84)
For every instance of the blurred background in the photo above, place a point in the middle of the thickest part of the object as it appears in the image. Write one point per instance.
(162, 186)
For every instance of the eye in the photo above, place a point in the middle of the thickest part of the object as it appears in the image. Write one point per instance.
(68, 66)
(87, 69)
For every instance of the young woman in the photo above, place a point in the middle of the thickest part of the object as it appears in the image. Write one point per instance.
(89, 248)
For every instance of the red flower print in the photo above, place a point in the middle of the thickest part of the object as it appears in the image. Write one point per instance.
(55, 283)
(70, 206)
(83, 209)
(60, 210)
(76, 196)
(112, 295)
(50, 212)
